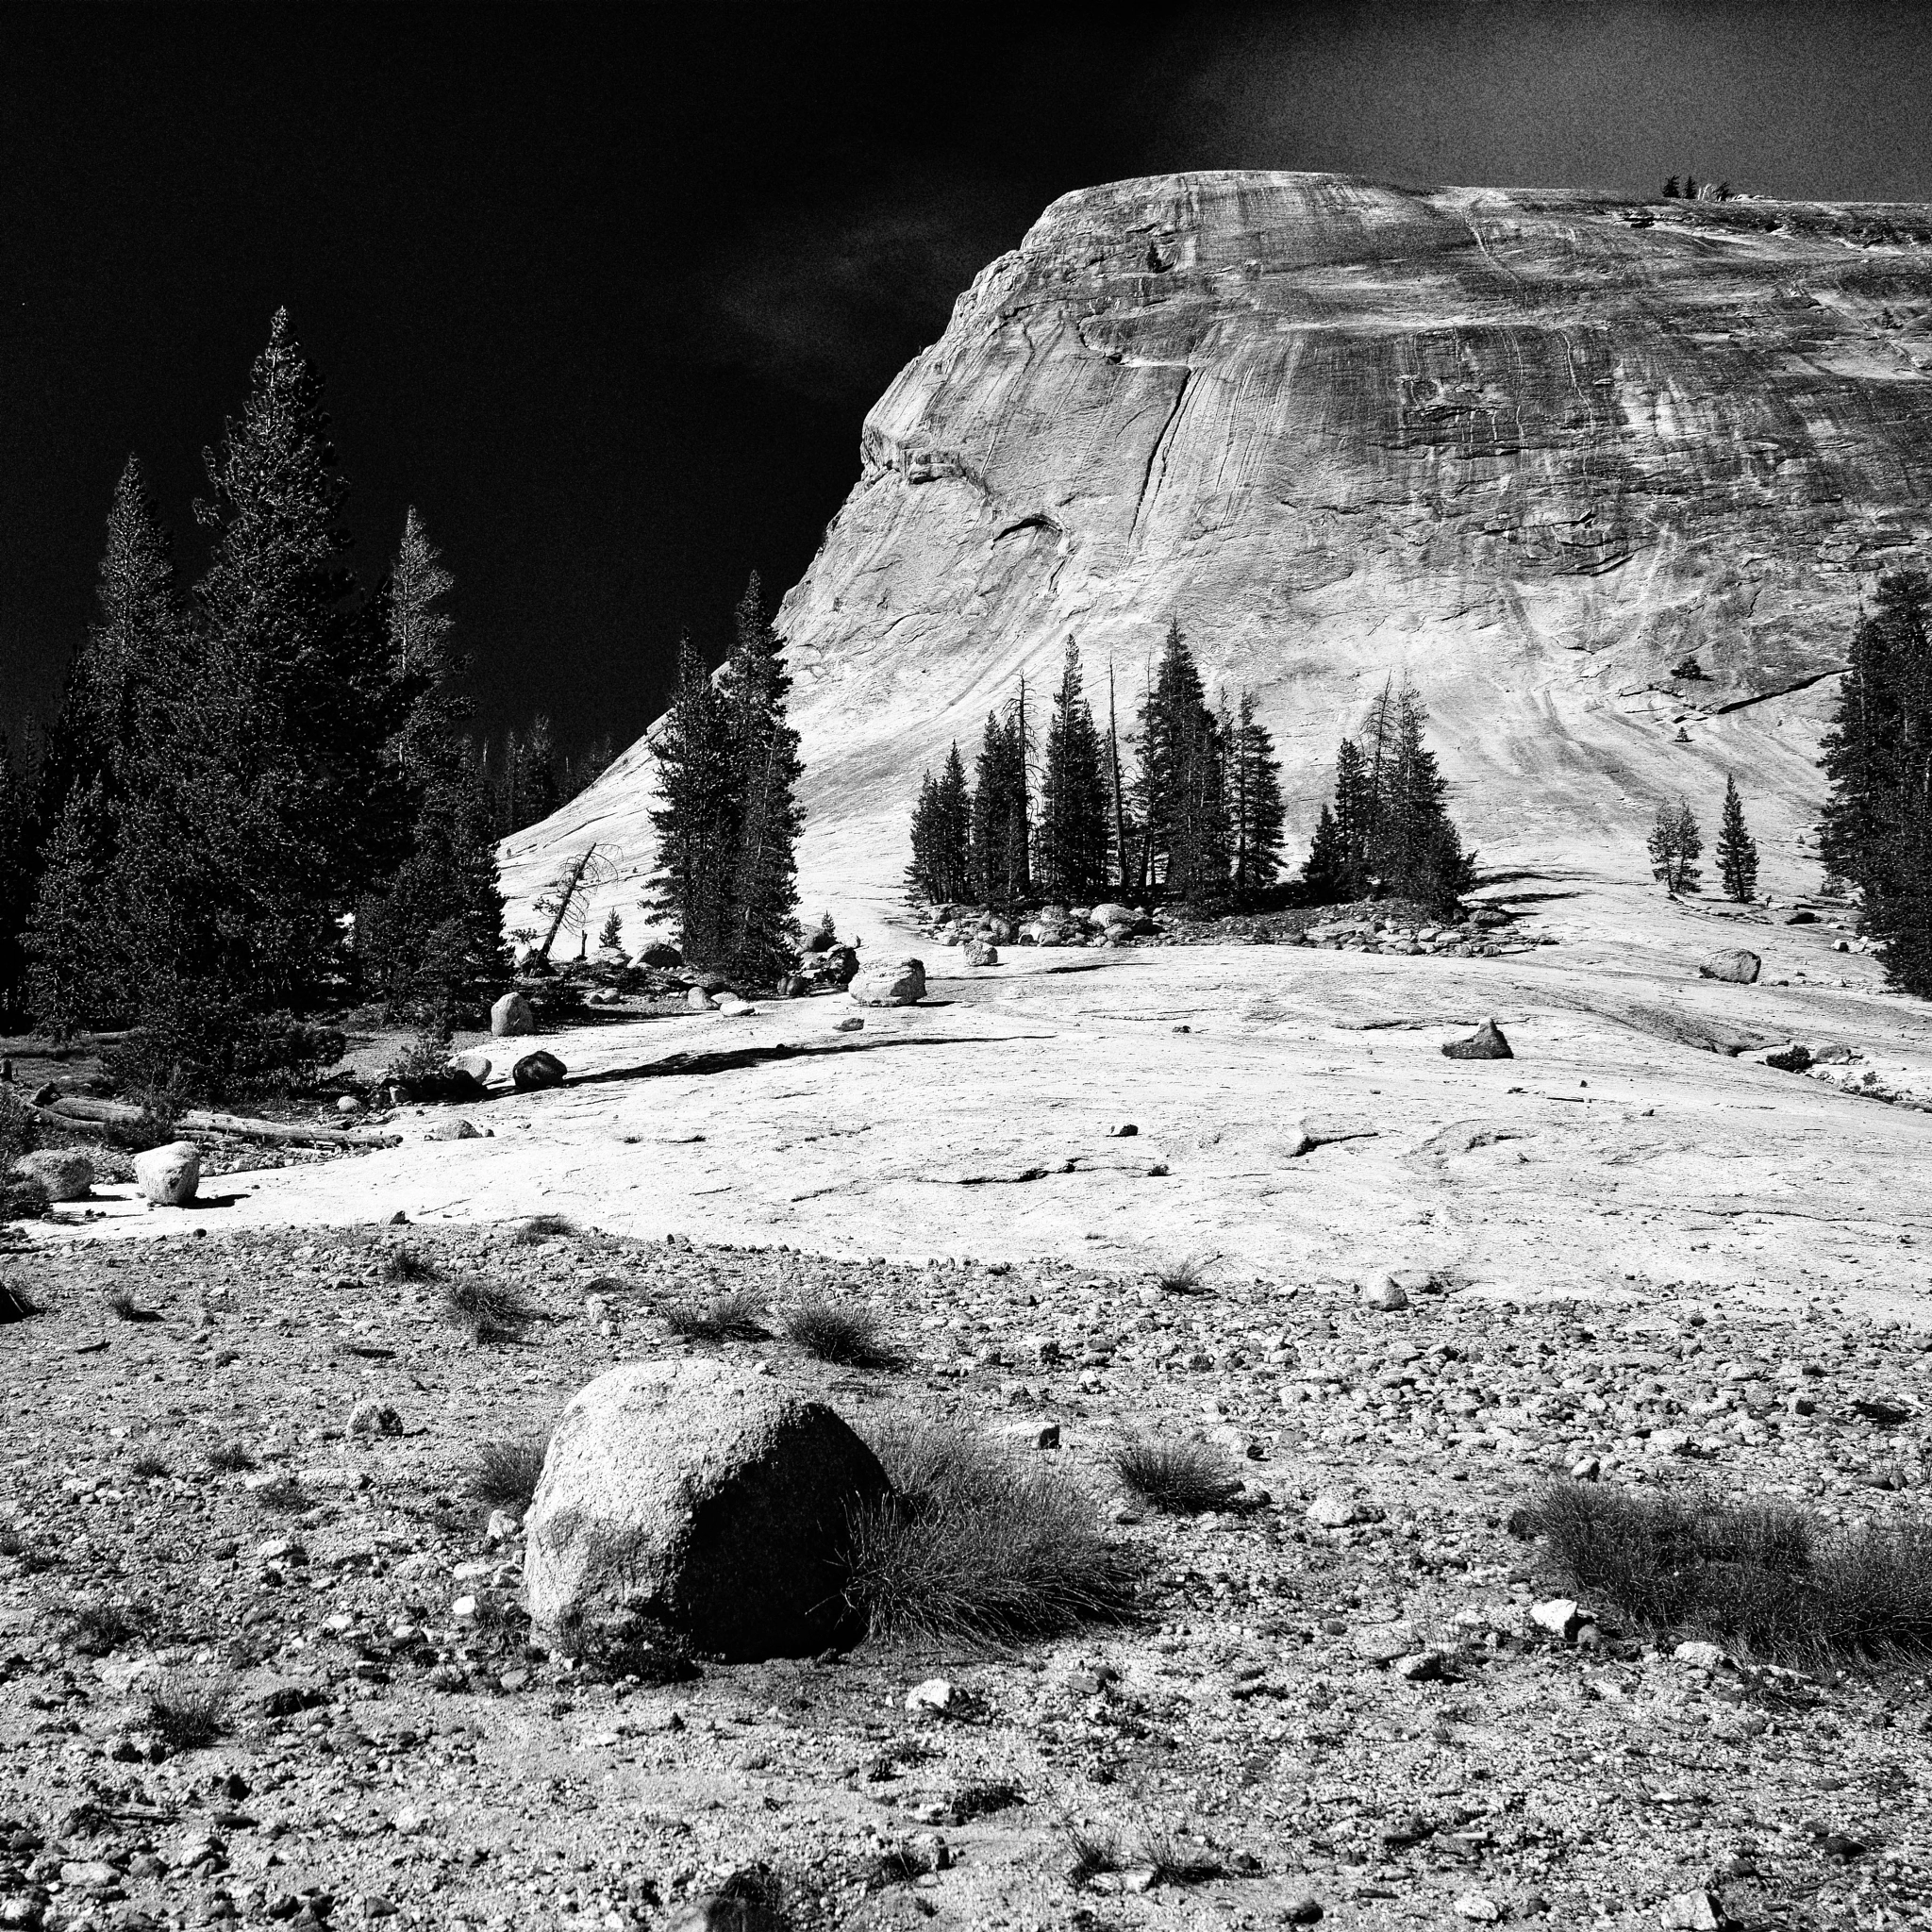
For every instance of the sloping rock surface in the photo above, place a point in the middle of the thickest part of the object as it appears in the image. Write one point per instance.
(1538, 449)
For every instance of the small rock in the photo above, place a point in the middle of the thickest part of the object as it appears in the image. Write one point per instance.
(852, 1024)
(348, 1104)
(1486, 1044)
(502, 1526)
(698, 1000)
(1421, 1666)
(979, 953)
(537, 1070)
(1304, 1911)
(1330, 1511)
(512, 1013)
(1033, 1435)
(1738, 966)
(169, 1176)
(1560, 1616)
(1692, 1911)
(1123, 1130)
(1701, 1655)
(454, 1128)
(372, 1418)
(939, 1695)
(1478, 1907)
(1387, 1294)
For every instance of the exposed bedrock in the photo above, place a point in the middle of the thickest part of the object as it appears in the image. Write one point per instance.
(1537, 449)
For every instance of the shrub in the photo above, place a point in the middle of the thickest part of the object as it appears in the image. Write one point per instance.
(406, 1264)
(196, 1045)
(94, 1629)
(229, 1458)
(20, 1199)
(124, 1307)
(1186, 1277)
(733, 1317)
(187, 1715)
(978, 1543)
(24, 1199)
(489, 1309)
(1768, 1576)
(506, 1474)
(837, 1333)
(543, 1228)
(148, 1468)
(1180, 1477)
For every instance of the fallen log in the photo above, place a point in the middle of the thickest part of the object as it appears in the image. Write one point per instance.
(88, 1115)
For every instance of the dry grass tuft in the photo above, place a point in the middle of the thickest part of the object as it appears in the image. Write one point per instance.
(1186, 1277)
(1767, 1576)
(978, 1543)
(543, 1228)
(734, 1317)
(842, 1333)
(96, 1629)
(186, 1717)
(506, 1474)
(406, 1264)
(231, 1459)
(148, 1468)
(1182, 1479)
(489, 1309)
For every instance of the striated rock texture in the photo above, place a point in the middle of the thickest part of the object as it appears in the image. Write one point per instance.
(1535, 449)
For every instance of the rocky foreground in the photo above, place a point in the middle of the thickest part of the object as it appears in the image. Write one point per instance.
(241, 1464)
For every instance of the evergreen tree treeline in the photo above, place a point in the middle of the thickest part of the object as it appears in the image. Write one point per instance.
(1200, 818)
(238, 769)
(1878, 829)
(728, 816)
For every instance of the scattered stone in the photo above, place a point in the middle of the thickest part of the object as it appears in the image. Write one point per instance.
(1387, 1294)
(1560, 1616)
(1694, 1912)
(1304, 1911)
(373, 1418)
(1486, 1044)
(1330, 1511)
(982, 953)
(698, 1000)
(456, 1128)
(853, 1024)
(512, 1014)
(1704, 1656)
(1123, 1130)
(1033, 1435)
(901, 984)
(537, 1070)
(66, 1172)
(935, 1695)
(1478, 1907)
(348, 1104)
(705, 1495)
(1736, 965)
(169, 1176)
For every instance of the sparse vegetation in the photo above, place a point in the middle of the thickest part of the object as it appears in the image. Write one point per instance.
(149, 1469)
(1182, 1479)
(95, 1629)
(978, 1543)
(285, 1496)
(1767, 1576)
(186, 1717)
(1187, 1275)
(406, 1264)
(124, 1307)
(544, 1227)
(490, 1310)
(837, 1332)
(735, 1317)
(231, 1459)
(506, 1474)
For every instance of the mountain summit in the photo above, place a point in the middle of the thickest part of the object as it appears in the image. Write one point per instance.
(1606, 479)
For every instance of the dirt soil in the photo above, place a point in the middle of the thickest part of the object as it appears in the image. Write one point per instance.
(1337, 1692)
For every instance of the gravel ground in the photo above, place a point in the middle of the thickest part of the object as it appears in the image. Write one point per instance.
(1335, 1694)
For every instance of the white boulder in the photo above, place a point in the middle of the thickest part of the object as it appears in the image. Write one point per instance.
(169, 1176)
(899, 984)
(512, 1014)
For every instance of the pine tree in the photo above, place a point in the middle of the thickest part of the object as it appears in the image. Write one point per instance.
(1418, 853)
(923, 874)
(1000, 870)
(1676, 843)
(16, 881)
(1326, 873)
(1672, 191)
(1121, 829)
(611, 939)
(430, 943)
(696, 818)
(953, 854)
(1736, 852)
(1071, 841)
(1181, 788)
(765, 773)
(1877, 830)
(1355, 819)
(73, 971)
(1254, 802)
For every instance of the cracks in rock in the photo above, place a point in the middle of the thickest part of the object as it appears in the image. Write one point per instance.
(1157, 453)
(1784, 691)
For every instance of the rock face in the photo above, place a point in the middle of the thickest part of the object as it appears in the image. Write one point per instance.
(703, 1494)
(1584, 468)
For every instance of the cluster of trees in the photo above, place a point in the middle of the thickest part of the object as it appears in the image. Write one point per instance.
(1388, 833)
(1200, 819)
(1878, 829)
(1692, 190)
(728, 816)
(527, 774)
(1676, 844)
(256, 798)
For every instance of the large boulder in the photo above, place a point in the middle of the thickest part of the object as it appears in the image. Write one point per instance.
(168, 1176)
(1736, 964)
(899, 984)
(512, 1014)
(1112, 913)
(537, 1070)
(66, 1172)
(702, 1494)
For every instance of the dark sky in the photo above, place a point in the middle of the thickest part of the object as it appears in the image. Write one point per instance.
(606, 293)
